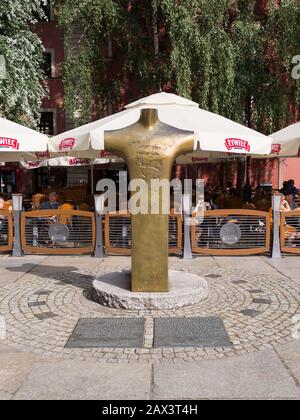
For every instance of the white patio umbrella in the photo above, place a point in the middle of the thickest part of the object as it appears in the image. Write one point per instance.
(69, 162)
(286, 142)
(18, 142)
(213, 133)
(198, 157)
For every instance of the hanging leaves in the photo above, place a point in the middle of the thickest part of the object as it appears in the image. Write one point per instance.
(21, 91)
(220, 53)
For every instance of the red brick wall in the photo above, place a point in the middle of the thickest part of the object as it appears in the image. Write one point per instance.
(52, 38)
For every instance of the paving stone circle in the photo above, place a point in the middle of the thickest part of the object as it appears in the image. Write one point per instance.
(41, 312)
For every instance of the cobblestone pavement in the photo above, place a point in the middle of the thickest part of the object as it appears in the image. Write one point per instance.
(42, 306)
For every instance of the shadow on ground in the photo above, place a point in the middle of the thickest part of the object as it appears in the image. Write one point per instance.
(61, 275)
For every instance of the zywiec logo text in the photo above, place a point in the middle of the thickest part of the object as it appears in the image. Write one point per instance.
(42, 155)
(104, 154)
(237, 144)
(78, 161)
(276, 149)
(67, 144)
(199, 159)
(32, 165)
(9, 143)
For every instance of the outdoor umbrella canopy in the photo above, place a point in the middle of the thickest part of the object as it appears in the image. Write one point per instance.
(199, 156)
(18, 142)
(286, 142)
(69, 162)
(213, 134)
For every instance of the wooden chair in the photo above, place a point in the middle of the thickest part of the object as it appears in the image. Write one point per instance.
(37, 200)
(66, 220)
(7, 206)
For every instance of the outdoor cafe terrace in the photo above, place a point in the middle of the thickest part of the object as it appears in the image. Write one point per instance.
(87, 229)
(150, 134)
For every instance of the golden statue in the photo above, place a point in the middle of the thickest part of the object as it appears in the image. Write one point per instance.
(149, 149)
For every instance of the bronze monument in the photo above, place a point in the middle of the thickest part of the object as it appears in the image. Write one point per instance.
(149, 148)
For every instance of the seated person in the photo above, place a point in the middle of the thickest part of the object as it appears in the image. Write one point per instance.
(221, 200)
(233, 201)
(291, 232)
(264, 204)
(52, 204)
(284, 204)
(3, 220)
(2, 201)
(290, 200)
(249, 206)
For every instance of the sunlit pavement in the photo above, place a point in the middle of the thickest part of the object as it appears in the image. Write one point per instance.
(43, 298)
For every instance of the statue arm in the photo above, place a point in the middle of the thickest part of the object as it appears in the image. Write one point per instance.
(185, 146)
(114, 143)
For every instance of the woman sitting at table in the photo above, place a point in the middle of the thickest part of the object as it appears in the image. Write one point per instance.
(289, 204)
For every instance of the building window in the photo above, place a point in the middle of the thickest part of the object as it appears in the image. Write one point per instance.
(47, 122)
(48, 12)
(48, 64)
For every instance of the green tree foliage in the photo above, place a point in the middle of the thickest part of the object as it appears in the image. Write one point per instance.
(21, 54)
(220, 53)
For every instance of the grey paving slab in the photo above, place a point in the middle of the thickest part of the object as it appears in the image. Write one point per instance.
(5, 348)
(45, 315)
(213, 276)
(250, 312)
(4, 396)
(206, 262)
(12, 268)
(290, 351)
(262, 301)
(109, 332)
(286, 262)
(292, 273)
(255, 376)
(256, 291)
(34, 304)
(71, 380)
(14, 368)
(12, 262)
(253, 264)
(43, 293)
(290, 356)
(294, 368)
(190, 332)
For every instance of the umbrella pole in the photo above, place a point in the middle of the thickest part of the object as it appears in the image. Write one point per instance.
(280, 173)
(92, 178)
(1, 180)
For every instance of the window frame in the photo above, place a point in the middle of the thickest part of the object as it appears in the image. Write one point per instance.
(54, 113)
(51, 51)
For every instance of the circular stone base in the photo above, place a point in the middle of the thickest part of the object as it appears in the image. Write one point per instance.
(113, 290)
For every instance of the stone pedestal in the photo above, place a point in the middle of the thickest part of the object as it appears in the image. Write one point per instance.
(114, 290)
